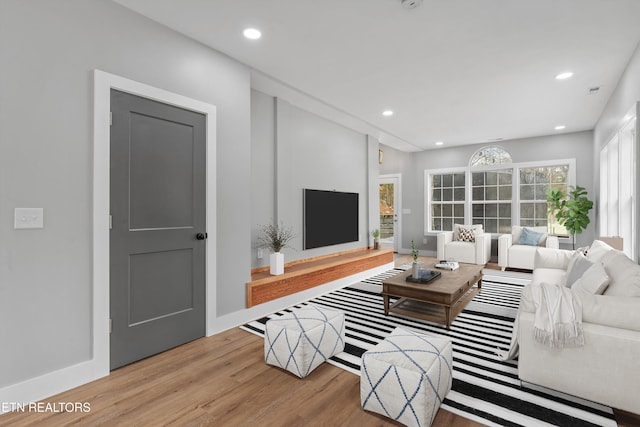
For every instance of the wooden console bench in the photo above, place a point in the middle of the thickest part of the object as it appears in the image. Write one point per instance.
(308, 273)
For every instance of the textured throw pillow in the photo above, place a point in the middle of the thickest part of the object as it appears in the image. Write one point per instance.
(584, 250)
(577, 267)
(456, 229)
(594, 280)
(529, 237)
(466, 234)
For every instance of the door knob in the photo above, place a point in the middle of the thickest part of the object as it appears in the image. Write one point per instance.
(201, 236)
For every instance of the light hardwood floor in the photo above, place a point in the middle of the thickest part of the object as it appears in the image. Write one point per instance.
(219, 381)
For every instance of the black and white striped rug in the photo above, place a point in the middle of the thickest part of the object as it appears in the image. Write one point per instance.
(484, 389)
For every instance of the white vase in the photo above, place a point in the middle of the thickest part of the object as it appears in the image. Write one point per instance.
(276, 263)
(415, 270)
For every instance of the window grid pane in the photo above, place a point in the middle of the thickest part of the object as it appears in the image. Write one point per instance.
(534, 183)
(491, 200)
(494, 217)
(448, 194)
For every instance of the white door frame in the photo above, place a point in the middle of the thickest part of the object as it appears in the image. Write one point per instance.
(396, 180)
(103, 83)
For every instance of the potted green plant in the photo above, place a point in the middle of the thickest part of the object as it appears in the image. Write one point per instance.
(571, 209)
(415, 265)
(376, 238)
(275, 238)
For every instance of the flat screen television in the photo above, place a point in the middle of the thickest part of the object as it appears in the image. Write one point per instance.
(330, 218)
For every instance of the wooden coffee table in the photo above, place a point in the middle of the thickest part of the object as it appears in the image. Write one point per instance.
(440, 300)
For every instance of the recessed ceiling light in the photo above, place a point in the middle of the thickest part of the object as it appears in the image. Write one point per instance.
(440, 143)
(387, 113)
(252, 33)
(564, 76)
(559, 127)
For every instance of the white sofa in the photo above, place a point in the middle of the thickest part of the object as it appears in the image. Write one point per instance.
(513, 255)
(607, 368)
(450, 246)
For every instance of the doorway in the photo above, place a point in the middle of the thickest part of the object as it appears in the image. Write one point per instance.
(390, 218)
(103, 82)
(157, 237)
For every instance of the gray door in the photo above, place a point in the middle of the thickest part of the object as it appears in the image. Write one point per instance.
(157, 286)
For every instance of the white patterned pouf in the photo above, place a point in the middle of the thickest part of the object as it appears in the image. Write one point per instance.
(406, 377)
(301, 340)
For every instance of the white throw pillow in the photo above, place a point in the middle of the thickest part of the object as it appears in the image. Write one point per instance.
(597, 250)
(594, 280)
(578, 265)
(624, 274)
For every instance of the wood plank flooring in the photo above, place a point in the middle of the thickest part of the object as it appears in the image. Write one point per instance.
(219, 381)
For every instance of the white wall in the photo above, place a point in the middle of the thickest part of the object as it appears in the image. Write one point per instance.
(311, 152)
(625, 95)
(412, 165)
(263, 166)
(48, 51)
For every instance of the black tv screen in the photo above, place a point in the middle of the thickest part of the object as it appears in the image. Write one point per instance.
(330, 218)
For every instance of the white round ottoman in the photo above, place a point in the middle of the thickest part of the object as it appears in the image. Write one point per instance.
(406, 377)
(301, 340)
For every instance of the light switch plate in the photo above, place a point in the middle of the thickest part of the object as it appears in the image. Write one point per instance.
(28, 218)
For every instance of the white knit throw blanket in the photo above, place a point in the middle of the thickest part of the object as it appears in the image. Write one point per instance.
(557, 323)
(558, 319)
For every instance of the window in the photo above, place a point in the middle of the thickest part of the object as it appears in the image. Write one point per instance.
(495, 192)
(617, 186)
(492, 155)
(534, 182)
(492, 199)
(447, 191)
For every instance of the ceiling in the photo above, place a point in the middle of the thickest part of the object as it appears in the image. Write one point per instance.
(457, 71)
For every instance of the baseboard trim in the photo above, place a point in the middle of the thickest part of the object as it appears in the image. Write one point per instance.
(50, 384)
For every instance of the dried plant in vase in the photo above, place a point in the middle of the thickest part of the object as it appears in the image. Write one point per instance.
(276, 238)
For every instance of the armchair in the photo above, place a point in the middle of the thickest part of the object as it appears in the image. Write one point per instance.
(513, 254)
(476, 251)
